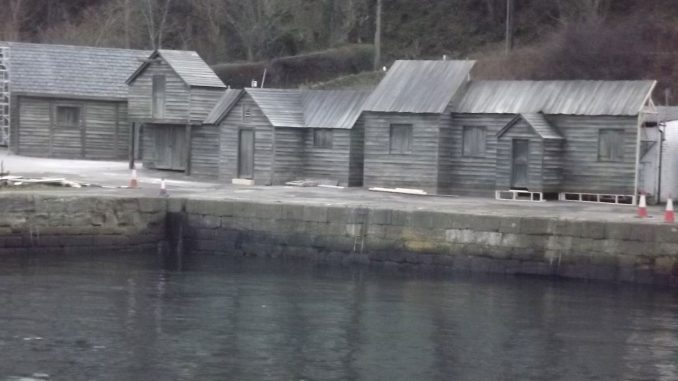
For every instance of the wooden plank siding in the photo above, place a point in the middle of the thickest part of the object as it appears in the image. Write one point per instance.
(148, 146)
(288, 162)
(205, 151)
(417, 169)
(101, 135)
(582, 171)
(177, 94)
(504, 158)
(469, 175)
(328, 162)
(203, 100)
(263, 142)
(357, 154)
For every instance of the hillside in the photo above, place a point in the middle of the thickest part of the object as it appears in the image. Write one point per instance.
(601, 39)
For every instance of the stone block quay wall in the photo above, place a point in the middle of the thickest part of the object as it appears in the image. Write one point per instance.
(638, 251)
(40, 223)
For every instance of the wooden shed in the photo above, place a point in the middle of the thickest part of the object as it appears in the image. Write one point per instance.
(406, 121)
(170, 94)
(272, 136)
(69, 101)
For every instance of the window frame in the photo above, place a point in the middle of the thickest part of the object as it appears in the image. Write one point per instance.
(323, 138)
(464, 144)
(408, 127)
(78, 122)
(620, 139)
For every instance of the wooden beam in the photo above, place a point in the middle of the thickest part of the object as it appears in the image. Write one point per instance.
(189, 143)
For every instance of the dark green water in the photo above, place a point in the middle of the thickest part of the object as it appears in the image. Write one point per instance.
(131, 318)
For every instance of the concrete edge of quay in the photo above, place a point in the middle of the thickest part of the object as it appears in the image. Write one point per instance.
(36, 223)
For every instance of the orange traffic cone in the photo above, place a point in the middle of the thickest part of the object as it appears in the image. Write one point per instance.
(163, 189)
(642, 207)
(668, 214)
(133, 182)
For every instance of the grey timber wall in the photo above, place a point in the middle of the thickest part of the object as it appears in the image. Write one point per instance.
(203, 100)
(552, 167)
(263, 142)
(357, 154)
(582, 171)
(328, 163)
(520, 130)
(288, 163)
(148, 146)
(177, 94)
(103, 132)
(475, 175)
(205, 151)
(418, 169)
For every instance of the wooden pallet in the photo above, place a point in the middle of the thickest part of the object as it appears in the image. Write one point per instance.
(519, 195)
(600, 198)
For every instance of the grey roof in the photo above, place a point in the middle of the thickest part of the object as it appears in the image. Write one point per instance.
(79, 71)
(538, 123)
(664, 114)
(333, 108)
(282, 107)
(187, 64)
(419, 86)
(228, 99)
(556, 97)
(310, 108)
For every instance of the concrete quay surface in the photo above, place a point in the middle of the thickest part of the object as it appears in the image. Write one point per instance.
(567, 239)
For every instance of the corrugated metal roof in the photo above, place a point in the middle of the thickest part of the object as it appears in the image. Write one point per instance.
(81, 71)
(282, 107)
(228, 99)
(556, 97)
(188, 65)
(419, 86)
(333, 108)
(538, 123)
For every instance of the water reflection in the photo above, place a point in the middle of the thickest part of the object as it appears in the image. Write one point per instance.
(113, 318)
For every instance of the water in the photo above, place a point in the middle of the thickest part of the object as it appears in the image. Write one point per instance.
(131, 318)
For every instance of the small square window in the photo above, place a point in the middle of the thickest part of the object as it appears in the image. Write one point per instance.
(400, 139)
(322, 138)
(611, 145)
(68, 116)
(474, 141)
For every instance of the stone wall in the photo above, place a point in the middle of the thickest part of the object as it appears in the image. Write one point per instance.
(634, 252)
(36, 223)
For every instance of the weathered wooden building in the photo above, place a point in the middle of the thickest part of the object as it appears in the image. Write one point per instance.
(428, 126)
(271, 136)
(170, 95)
(69, 101)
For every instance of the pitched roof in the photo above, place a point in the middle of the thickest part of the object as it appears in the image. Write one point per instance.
(64, 70)
(187, 64)
(419, 86)
(538, 123)
(228, 99)
(333, 108)
(282, 107)
(556, 97)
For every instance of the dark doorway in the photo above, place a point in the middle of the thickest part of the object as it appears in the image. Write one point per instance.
(246, 154)
(520, 169)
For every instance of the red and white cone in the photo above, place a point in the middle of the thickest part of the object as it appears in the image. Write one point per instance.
(163, 189)
(668, 214)
(642, 207)
(133, 181)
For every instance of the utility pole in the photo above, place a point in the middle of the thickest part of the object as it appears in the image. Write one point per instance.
(377, 37)
(509, 25)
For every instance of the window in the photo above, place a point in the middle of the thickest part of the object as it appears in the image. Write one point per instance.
(246, 113)
(400, 139)
(68, 116)
(322, 138)
(611, 145)
(474, 141)
(158, 96)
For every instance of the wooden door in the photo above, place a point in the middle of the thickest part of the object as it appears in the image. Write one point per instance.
(246, 154)
(520, 167)
(170, 147)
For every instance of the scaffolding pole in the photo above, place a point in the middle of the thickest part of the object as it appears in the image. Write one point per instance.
(5, 96)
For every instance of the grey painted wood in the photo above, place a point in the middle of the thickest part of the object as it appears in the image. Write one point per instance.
(205, 151)
(506, 172)
(356, 154)
(331, 163)
(418, 169)
(520, 163)
(290, 146)
(246, 153)
(140, 95)
(95, 138)
(167, 144)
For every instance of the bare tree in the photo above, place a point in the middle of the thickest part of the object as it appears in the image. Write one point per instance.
(12, 17)
(255, 23)
(155, 14)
